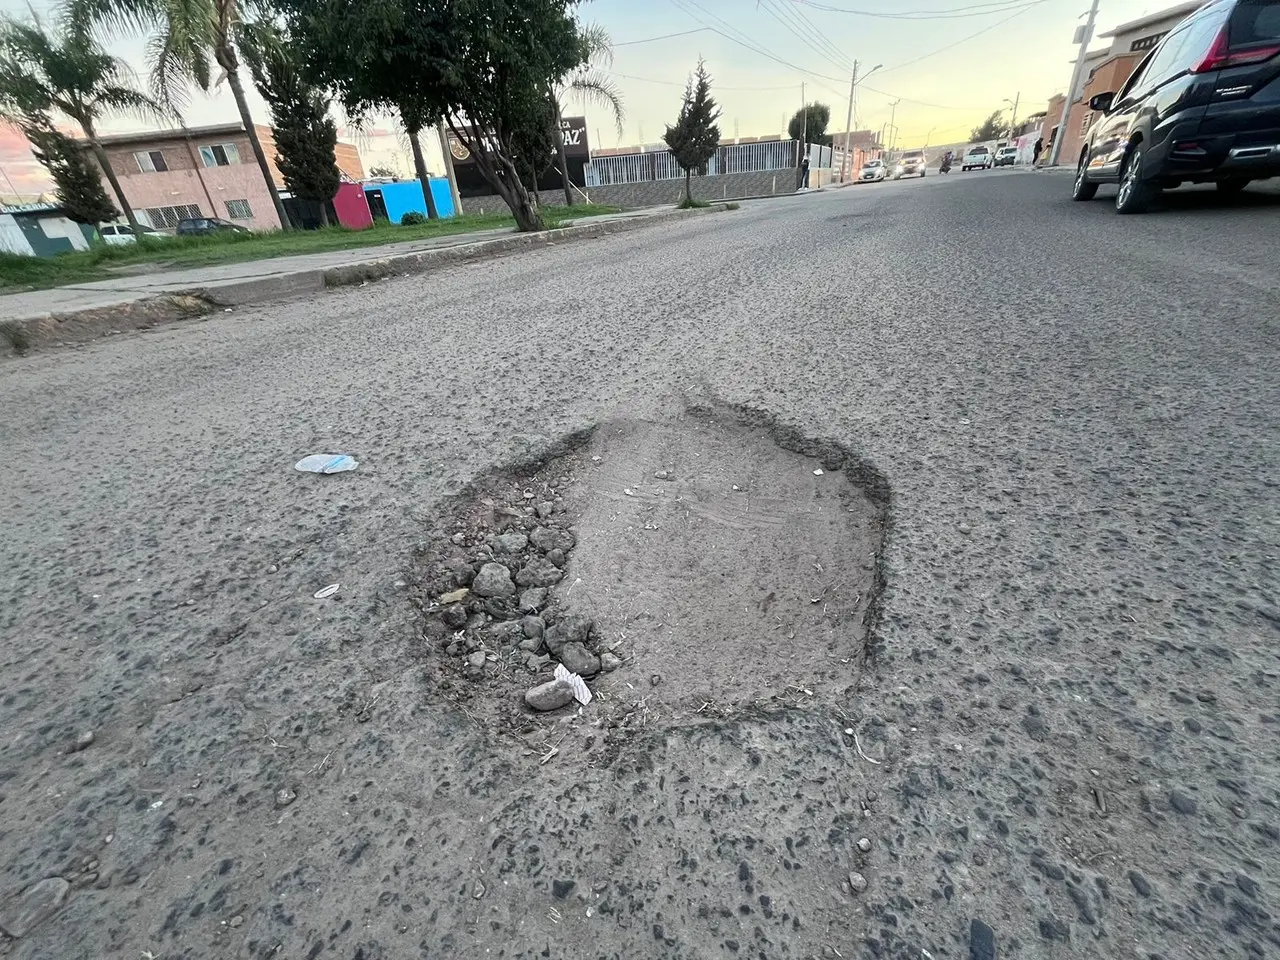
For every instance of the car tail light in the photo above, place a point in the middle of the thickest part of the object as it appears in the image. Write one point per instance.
(1189, 146)
(1221, 56)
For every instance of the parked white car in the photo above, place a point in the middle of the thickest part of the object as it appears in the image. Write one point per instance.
(1006, 157)
(977, 158)
(873, 171)
(121, 234)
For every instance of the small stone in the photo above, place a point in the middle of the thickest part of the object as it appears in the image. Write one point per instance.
(510, 542)
(539, 572)
(454, 617)
(544, 509)
(453, 596)
(504, 634)
(864, 845)
(1182, 803)
(82, 742)
(655, 680)
(459, 539)
(477, 890)
(548, 696)
(982, 941)
(857, 883)
(235, 921)
(533, 600)
(578, 659)
(562, 888)
(557, 557)
(663, 475)
(535, 663)
(609, 662)
(285, 796)
(1052, 929)
(572, 629)
(547, 539)
(460, 570)
(23, 913)
(531, 644)
(494, 580)
(476, 661)
(532, 626)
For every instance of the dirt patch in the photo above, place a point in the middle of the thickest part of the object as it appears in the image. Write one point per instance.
(687, 568)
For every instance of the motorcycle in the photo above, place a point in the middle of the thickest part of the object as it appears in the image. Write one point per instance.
(946, 165)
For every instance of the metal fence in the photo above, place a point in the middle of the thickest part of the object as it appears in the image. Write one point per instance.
(661, 165)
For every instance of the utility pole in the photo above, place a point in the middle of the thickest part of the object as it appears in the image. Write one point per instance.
(1013, 117)
(804, 127)
(1086, 34)
(448, 169)
(848, 123)
(893, 113)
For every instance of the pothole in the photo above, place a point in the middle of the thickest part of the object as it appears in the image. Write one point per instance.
(688, 568)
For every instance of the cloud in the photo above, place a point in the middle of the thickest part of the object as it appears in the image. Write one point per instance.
(18, 165)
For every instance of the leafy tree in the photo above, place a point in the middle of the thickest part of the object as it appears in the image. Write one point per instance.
(191, 33)
(77, 183)
(992, 128)
(484, 67)
(819, 118)
(306, 136)
(588, 83)
(380, 171)
(65, 71)
(694, 138)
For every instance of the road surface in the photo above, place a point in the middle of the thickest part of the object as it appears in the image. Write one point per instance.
(1074, 686)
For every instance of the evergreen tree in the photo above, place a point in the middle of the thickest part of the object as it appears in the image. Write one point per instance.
(815, 130)
(76, 181)
(306, 136)
(992, 128)
(694, 138)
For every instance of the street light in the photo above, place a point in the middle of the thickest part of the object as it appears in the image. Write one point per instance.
(848, 121)
(1013, 117)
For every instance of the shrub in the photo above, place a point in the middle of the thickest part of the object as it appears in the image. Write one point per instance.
(412, 219)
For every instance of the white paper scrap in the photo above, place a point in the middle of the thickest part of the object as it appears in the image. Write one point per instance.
(581, 692)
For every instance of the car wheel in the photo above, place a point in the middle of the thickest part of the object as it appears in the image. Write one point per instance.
(1083, 189)
(1233, 186)
(1135, 193)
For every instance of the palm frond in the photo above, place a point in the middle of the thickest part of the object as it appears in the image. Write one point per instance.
(596, 87)
(597, 44)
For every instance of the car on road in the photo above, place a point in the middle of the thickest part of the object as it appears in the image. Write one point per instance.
(976, 158)
(1203, 107)
(202, 226)
(121, 234)
(1005, 157)
(873, 171)
(910, 164)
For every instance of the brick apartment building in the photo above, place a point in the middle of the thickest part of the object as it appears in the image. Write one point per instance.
(1106, 71)
(203, 171)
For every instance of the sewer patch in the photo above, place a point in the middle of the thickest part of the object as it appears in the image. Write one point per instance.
(688, 568)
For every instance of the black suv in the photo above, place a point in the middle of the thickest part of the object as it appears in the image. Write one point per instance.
(1203, 107)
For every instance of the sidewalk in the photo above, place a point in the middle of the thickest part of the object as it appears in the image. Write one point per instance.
(84, 311)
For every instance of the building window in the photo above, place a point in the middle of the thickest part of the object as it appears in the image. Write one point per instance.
(239, 210)
(169, 216)
(220, 155)
(151, 161)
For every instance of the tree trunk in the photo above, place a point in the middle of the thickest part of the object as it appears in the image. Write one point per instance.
(233, 80)
(562, 160)
(688, 187)
(105, 162)
(324, 215)
(448, 169)
(420, 167)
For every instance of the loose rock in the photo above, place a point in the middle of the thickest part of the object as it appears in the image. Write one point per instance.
(864, 845)
(547, 539)
(539, 572)
(454, 617)
(476, 661)
(533, 626)
(505, 634)
(857, 883)
(572, 629)
(285, 796)
(578, 659)
(609, 662)
(494, 580)
(510, 542)
(82, 742)
(548, 696)
(1182, 803)
(453, 596)
(533, 600)
(982, 941)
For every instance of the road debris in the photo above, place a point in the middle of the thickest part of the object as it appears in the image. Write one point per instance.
(327, 463)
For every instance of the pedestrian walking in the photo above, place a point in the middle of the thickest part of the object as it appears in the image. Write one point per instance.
(804, 173)
(1036, 151)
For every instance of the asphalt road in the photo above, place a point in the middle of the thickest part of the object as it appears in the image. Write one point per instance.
(1075, 685)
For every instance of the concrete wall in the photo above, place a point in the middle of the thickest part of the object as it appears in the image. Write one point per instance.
(661, 192)
(405, 196)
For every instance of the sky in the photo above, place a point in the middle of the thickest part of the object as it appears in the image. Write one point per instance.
(950, 68)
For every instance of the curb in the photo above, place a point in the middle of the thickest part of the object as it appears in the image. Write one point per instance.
(81, 326)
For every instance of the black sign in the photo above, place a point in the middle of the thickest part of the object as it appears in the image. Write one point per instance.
(1147, 43)
(574, 131)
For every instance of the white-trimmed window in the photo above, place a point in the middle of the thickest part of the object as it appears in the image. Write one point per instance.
(239, 210)
(169, 216)
(151, 161)
(220, 155)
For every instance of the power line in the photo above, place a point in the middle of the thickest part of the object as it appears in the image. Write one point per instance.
(972, 36)
(748, 43)
(673, 83)
(665, 36)
(787, 16)
(998, 6)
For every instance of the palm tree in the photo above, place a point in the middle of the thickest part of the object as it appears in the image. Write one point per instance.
(191, 33)
(589, 83)
(66, 71)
